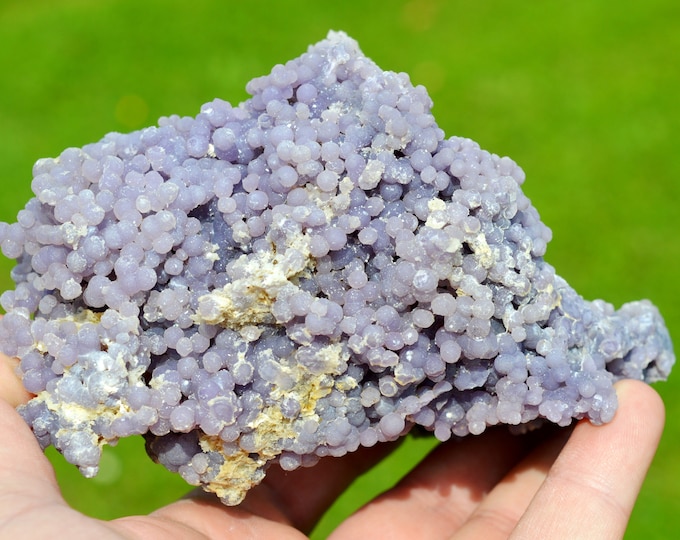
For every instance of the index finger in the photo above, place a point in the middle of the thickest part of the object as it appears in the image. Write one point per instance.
(591, 488)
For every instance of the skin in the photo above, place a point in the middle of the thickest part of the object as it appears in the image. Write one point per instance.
(553, 483)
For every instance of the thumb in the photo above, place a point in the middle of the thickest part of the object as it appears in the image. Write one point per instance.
(11, 388)
(27, 479)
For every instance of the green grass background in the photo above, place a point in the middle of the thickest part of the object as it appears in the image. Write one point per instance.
(582, 94)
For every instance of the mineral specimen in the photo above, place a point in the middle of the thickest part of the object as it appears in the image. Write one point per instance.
(314, 270)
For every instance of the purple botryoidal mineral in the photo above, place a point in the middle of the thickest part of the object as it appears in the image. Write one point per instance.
(312, 271)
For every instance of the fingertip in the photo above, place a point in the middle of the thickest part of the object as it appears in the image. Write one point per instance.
(599, 472)
(639, 399)
(21, 457)
(11, 388)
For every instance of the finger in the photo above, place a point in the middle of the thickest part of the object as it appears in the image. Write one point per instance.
(11, 388)
(26, 477)
(296, 497)
(439, 495)
(203, 518)
(591, 489)
(499, 512)
(299, 498)
(31, 505)
(304, 495)
(23, 466)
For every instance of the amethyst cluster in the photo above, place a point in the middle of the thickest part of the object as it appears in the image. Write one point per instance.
(314, 270)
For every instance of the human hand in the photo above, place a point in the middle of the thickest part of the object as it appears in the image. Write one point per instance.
(562, 483)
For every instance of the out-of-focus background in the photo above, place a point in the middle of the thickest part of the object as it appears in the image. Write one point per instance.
(582, 94)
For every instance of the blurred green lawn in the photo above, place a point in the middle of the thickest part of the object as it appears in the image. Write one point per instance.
(582, 94)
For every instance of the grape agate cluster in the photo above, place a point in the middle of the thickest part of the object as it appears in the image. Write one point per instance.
(314, 270)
